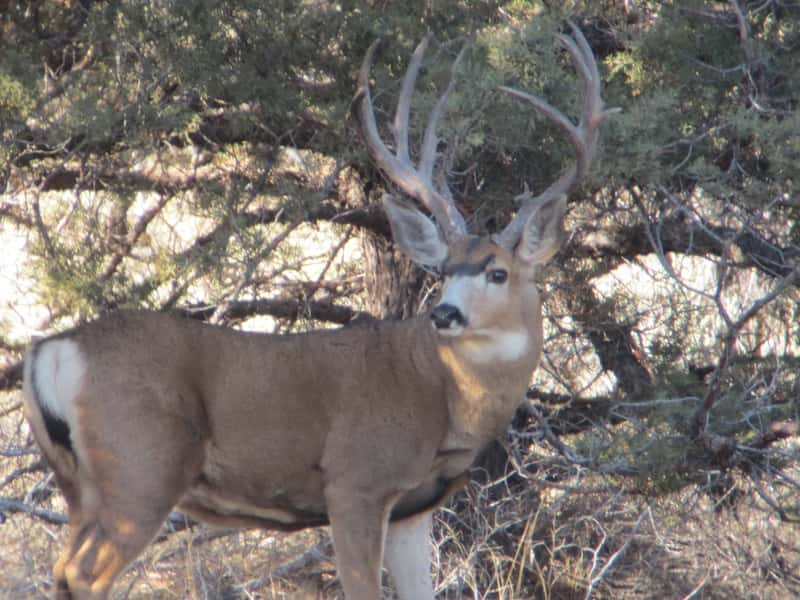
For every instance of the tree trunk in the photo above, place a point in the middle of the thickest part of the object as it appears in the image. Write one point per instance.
(393, 283)
(394, 286)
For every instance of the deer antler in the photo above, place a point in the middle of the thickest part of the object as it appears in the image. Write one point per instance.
(416, 182)
(582, 136)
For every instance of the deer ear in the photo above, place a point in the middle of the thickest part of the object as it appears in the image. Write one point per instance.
(418, 237)
(543, 233)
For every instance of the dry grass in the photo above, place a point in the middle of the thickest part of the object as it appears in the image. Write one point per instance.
(549, 535)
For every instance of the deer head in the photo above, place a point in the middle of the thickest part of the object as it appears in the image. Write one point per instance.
(480, 274)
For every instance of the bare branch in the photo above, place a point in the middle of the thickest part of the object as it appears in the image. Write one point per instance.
(595, 579)
(318, 310)
(314, 555)
(252, 263)
(314, 286)
(34, 467)
(729, 346)
(16, 452)
(137, 231)
(16, 506)
(680, 235)
(7, 411)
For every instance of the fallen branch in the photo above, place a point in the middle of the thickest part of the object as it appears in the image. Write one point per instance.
(287, 570)
(14, 452)
(9, 505)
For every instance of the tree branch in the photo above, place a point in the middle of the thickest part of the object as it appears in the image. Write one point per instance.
(15, 506)
(729, 347)
(281, 308)
(689, 237)
(11, 375)
(138, 229)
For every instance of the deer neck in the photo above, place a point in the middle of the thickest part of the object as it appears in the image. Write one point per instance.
(488, 374)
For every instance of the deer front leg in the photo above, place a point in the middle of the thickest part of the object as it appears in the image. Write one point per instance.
(408, 556)
(358, 526)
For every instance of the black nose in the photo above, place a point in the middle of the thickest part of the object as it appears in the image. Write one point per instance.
(445, 315)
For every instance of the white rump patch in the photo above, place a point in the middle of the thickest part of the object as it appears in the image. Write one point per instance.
(58, 371)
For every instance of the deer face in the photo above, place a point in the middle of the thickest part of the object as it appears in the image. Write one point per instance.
(477, 281)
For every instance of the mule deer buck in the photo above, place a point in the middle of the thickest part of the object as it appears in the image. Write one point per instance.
(367, 428)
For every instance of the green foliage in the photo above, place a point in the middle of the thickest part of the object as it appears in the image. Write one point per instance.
(14, 96)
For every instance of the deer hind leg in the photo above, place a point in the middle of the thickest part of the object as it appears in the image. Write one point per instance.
(108, 536)
(408, 556)
(72, 496)
(130, 479)
(93, 559)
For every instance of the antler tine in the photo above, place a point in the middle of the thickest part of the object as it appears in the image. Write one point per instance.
(416, 182)
(430, 140)
(401, 116)
(582, 136)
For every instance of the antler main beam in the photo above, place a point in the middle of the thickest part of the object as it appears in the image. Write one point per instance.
(582, 136)
(417, 182)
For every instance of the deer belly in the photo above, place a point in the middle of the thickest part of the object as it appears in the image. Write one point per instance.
(218, 506)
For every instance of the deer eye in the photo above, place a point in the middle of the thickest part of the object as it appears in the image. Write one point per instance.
(497, 276)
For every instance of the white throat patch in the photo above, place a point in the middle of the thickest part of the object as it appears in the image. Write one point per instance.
(497, 345)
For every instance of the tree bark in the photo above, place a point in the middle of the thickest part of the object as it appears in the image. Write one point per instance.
(392, 283)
